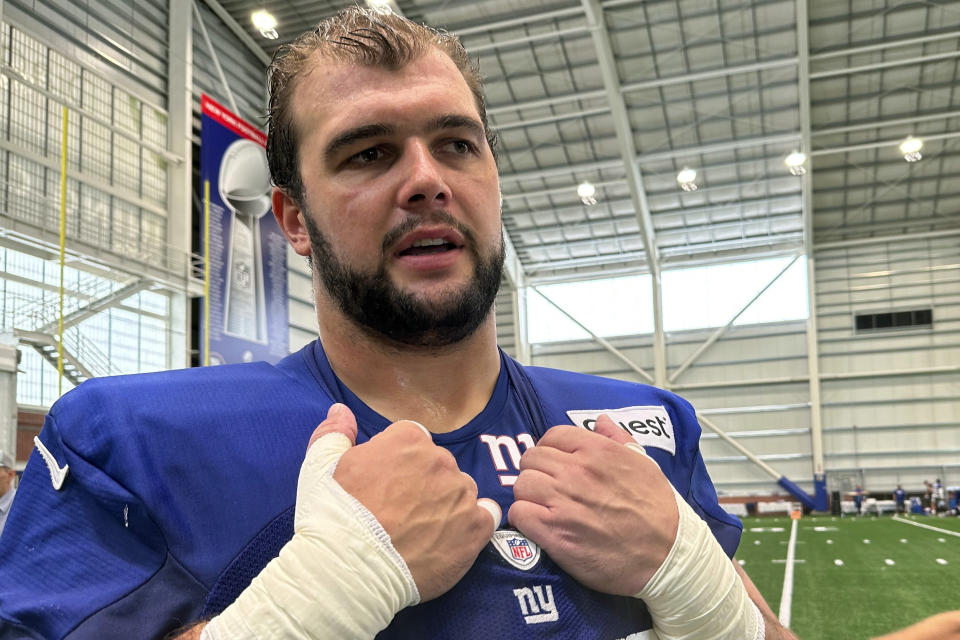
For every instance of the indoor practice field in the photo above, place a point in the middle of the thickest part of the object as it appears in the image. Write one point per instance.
(854, 577)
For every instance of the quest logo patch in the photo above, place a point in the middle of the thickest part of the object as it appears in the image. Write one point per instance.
(650, 426)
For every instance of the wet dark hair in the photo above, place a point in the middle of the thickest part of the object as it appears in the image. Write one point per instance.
(360, 36)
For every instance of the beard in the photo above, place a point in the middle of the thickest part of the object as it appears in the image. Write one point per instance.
(376, 304)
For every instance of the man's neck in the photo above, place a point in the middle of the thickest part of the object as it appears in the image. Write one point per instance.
(441, 388)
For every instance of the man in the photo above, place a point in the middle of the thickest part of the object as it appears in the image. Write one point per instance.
(180, 496)
(901, 498)
(7, 474)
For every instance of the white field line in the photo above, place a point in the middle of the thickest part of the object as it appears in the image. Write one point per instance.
(926, 526)
(787, 596)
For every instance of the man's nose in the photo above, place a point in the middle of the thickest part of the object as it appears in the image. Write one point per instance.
(423, 184)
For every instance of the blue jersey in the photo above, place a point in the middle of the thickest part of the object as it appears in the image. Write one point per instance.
(181, 487)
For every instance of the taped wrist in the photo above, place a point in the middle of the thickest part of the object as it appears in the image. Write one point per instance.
(696, 593)
(338, 577)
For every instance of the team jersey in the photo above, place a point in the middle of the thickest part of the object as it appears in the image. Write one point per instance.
(181, 487)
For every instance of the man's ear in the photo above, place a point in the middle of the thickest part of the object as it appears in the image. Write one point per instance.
(290, 218)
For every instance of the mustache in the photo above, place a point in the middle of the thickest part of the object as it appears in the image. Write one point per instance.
(413, 222)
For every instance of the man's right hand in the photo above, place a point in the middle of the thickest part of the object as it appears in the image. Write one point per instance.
(418, 495)
(378, 527)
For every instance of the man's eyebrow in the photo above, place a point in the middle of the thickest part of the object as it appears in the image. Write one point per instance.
(350, 136)
(454, 121)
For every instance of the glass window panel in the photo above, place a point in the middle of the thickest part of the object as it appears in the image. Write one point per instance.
(710, 296)
(126, 114)
(64, 78)
(25, 104)
(608, 307)
(29, 57)
(154, 180)
(126, 164)
(126, 228)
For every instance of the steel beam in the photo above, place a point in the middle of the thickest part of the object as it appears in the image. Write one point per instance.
(238, 31)
(880, 124)
(216, 58)
(516, 22)
(533, 37)
(180, 176)
(628, 154)
(880, 143)
(813, 354)
(876, 66)
(890, 44)
(560, 117)
(722, 72)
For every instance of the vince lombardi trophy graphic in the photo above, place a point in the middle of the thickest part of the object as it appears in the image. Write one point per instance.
(244, 186)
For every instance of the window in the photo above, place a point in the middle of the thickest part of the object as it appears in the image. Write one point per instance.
(893, 320)
(608, 307)
(693, 298)
(709, 296)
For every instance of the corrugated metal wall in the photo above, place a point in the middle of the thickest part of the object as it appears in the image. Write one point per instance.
(882, 424)
(893, 426)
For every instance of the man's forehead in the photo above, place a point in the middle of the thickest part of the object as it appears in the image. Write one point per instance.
(334, 82)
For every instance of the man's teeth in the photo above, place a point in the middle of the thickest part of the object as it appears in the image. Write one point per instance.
(429, 242)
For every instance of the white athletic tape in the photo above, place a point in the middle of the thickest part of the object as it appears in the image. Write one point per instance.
(636, 446)
(696, 594)
(422, 428)
(338, 577)
(493, 509)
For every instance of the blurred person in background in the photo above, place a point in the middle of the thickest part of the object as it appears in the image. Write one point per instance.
(7, 490)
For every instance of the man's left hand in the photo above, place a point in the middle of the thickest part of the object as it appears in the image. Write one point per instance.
(603, 512)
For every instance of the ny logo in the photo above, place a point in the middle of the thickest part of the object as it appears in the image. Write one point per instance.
(537, 609)
(499, 445)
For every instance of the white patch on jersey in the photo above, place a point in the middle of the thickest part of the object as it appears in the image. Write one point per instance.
(536, 604)
(650, 426)
(516, 549)
(57, 473)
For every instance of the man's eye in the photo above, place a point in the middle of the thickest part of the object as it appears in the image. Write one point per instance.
(460, 147)
(367, 156)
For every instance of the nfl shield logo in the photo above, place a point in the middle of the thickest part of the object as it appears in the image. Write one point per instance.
(516, 549)
(520, 548)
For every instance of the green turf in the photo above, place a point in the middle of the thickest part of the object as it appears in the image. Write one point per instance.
(864, 597)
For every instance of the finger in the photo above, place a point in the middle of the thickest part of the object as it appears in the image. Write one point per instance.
(536, 487)
(411, 426)
(339, 420)
(530, 519)
(494, 510)
(546, 459)
(608, 428)
(566, 437)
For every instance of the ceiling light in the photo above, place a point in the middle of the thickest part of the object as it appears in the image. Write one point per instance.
(796, 163)
(586, 191)
(265, 23)
(910, 148)
(686, 179)
(380, 6)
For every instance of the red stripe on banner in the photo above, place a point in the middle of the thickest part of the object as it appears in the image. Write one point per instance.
(231, 120)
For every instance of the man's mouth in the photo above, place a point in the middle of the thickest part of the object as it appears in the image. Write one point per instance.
(427, 246)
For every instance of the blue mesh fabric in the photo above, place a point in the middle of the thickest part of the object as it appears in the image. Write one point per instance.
(251, 560)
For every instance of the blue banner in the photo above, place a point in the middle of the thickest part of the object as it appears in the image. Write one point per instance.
(245, 315)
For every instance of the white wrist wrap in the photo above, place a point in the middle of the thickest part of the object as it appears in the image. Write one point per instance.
(338, 577)
(696, 593)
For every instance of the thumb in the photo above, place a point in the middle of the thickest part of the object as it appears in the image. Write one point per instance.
(607, 427)
(339, 420)
(330, 440)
